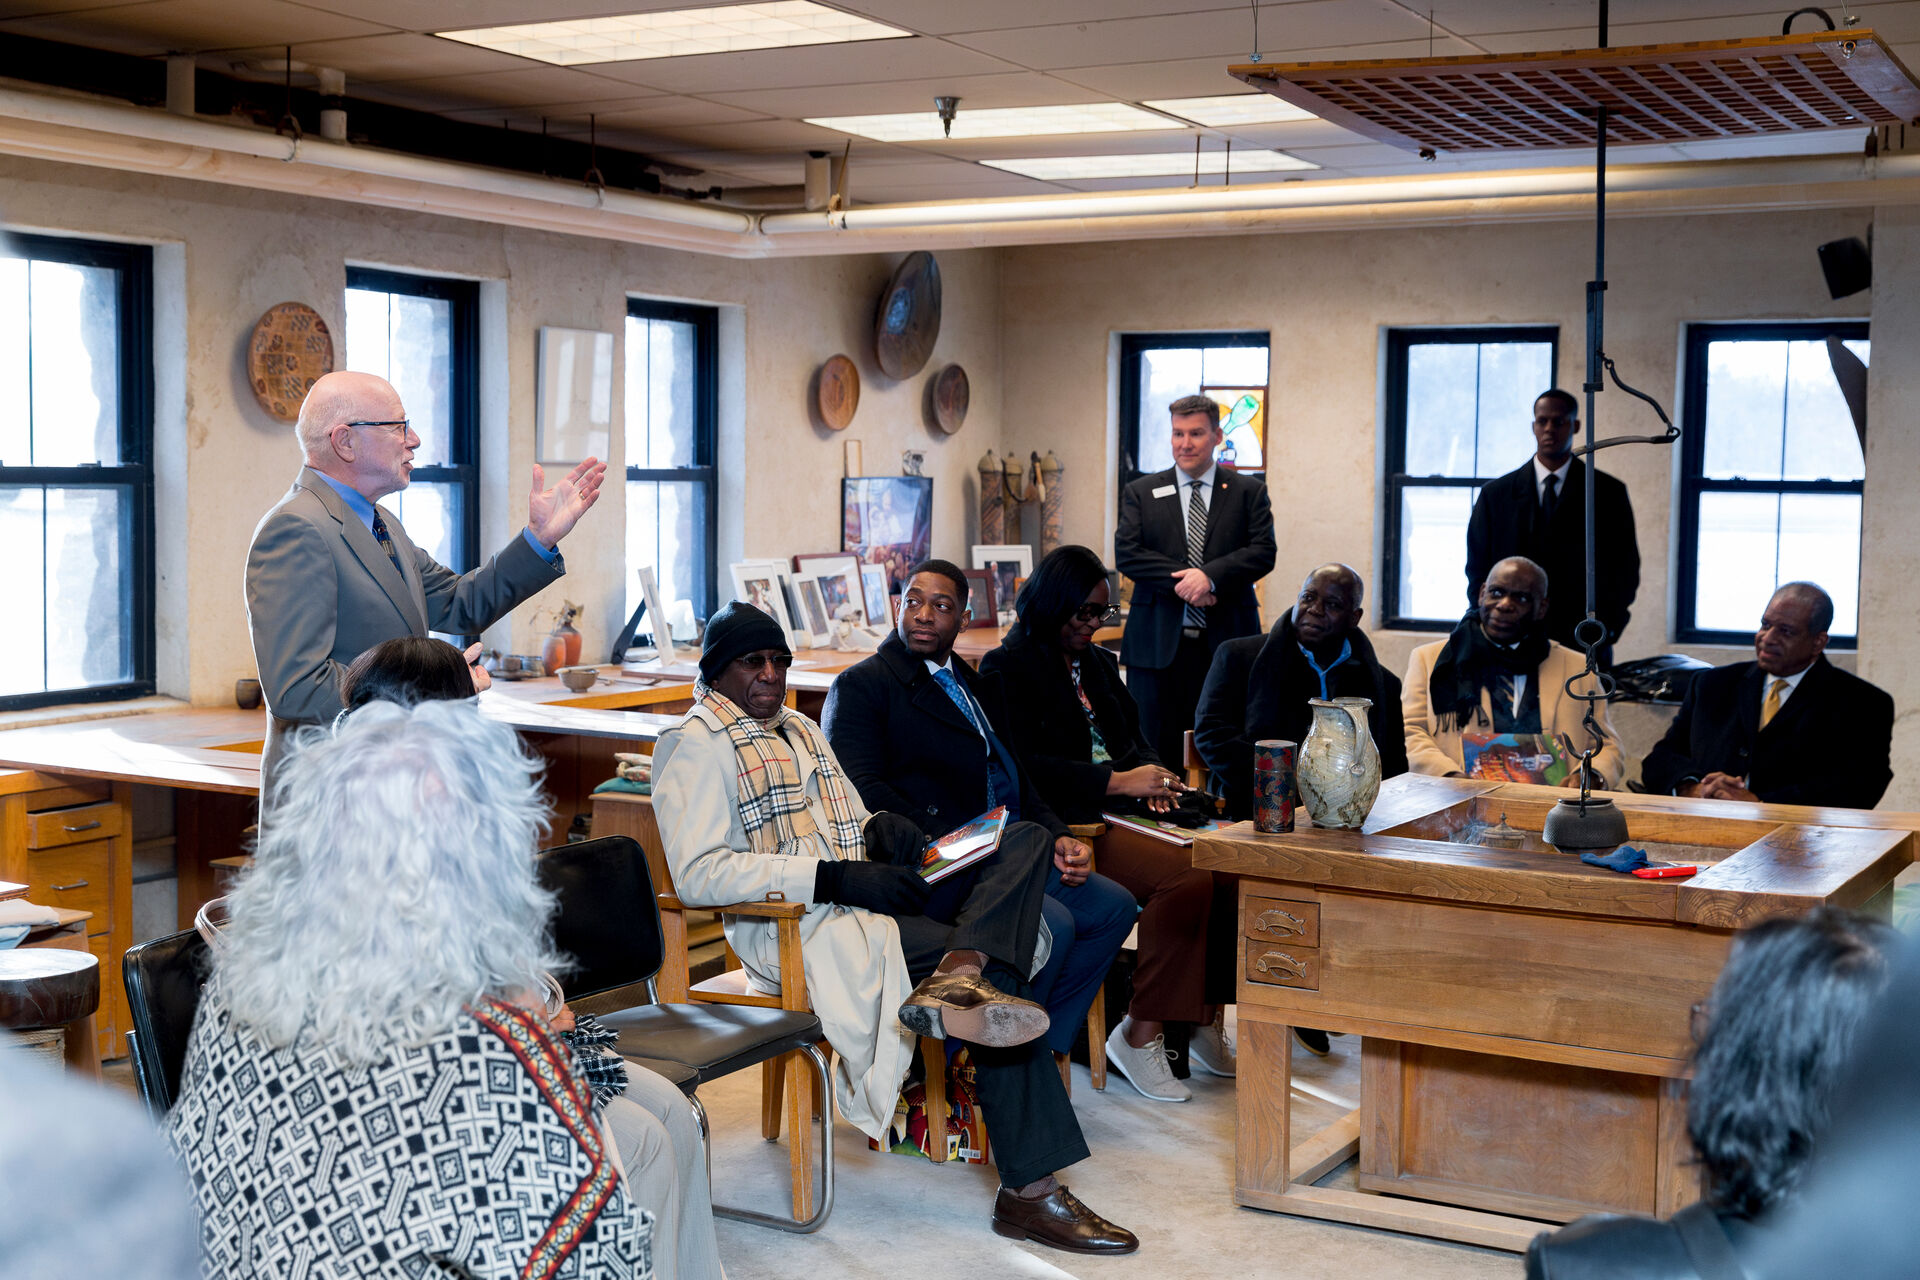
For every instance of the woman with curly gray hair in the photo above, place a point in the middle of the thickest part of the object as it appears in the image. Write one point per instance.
(372, 1085)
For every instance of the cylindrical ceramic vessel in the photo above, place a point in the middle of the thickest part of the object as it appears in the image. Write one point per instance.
(1273, 761)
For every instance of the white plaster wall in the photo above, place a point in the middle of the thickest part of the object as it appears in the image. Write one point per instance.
(1327, 298)
(235, 253)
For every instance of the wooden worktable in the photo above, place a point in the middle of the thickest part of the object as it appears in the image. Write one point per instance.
(1524, 1018)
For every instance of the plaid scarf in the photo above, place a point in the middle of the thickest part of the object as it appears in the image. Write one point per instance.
(773, 800)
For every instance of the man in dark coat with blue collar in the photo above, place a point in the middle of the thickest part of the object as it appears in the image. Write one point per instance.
(1194, 538)
(1786, 728)
(1258, 687)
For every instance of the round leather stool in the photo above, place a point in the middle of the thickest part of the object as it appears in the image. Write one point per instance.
(45, 987)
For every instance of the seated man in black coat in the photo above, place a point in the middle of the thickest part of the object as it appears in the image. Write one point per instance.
(1787, 728)
(1258, 687)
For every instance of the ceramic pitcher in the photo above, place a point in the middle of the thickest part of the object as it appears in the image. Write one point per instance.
(1339, 767)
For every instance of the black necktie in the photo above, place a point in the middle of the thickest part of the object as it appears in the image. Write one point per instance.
(1549, 496)
(385, 539)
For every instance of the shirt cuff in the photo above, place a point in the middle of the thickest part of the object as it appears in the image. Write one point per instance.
(551, 557)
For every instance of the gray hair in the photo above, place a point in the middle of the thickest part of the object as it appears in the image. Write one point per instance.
(393, 883)
(1531, 566)
(1819, 604)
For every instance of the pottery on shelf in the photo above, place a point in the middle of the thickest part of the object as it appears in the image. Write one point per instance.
(1339, 766)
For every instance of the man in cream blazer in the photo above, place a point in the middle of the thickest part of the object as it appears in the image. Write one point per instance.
(1498, 673)
(330, 574)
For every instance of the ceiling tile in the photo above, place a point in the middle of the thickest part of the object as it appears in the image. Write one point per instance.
(162, 26)
(1485, 17)
(1224, 33)
(942, 17)
(1194, 77)
(860, 63)
(461, 15)
(398, 55)
(1014, 89)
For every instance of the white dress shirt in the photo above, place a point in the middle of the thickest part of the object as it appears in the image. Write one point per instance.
(1540, 475)
(1793, 682)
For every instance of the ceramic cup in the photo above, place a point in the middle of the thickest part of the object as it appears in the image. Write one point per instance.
(1273, 761)
(246, 693)
(578, 679)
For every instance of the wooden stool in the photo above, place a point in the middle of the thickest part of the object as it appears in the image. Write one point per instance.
(46, 988)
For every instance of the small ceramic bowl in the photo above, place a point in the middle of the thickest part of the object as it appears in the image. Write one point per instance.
(578, 679)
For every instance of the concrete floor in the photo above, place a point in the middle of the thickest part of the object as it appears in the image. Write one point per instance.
(1162, 1170)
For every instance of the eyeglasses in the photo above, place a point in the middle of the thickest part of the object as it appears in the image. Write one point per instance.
(758, 661)
(400, 423)
(1096, 613)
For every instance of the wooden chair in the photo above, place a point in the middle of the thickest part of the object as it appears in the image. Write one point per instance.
(1190, 761)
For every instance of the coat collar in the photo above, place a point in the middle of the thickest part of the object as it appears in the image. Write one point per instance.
(399, 588)
(922, 689)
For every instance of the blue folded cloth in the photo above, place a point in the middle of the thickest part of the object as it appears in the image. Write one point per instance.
(1625, 859)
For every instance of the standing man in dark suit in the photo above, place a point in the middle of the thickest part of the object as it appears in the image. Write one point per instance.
(1539, 512)
(1194, 539)
(330, 574)
(1786, 728)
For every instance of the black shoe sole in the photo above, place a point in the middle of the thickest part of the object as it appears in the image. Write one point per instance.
(1012, 1232)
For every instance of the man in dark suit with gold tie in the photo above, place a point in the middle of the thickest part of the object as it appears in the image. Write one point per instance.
(1194, 539)
(1786, 728)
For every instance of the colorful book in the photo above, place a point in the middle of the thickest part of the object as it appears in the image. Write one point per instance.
(963, 846)
(1171, 832)
(1515, 757)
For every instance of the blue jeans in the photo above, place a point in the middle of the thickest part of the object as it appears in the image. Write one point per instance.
(1089, 922)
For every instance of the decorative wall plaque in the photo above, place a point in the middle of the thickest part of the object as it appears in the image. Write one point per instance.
(290, 350)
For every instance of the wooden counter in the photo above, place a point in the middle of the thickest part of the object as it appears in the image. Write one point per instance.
(1524, 1019)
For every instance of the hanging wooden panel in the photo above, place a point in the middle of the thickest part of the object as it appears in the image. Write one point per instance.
(1664, 93)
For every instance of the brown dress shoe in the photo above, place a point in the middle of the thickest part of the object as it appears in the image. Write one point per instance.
(1059, 1220)
(968, 1007)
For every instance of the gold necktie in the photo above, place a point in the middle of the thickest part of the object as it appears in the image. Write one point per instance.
(1771, 707)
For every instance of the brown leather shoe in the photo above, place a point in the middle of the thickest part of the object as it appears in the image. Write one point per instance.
(1059, 1220)
(968, 1007)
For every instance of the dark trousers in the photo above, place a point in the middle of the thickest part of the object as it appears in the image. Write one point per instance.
(994, 906)
(1089, 923)
(1169, 696)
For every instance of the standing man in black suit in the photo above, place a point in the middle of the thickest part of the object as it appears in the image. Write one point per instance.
(1786, 728)
(1194, 539)
(1539, 512)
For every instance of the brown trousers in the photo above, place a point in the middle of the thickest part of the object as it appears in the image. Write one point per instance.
(1188, 930)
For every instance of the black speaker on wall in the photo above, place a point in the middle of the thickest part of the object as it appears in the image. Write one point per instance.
(1848, 266)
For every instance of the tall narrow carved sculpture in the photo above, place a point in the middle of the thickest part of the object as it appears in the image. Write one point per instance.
(1053, 501)
(993, 500)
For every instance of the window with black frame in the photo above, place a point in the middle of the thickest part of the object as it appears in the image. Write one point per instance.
(76, 473)
(422, 334)
(1772, 471)
(1459, 407)
(1158, 368)
(672, 378)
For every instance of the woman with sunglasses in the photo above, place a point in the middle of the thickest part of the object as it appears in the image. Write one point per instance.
(1078, 732)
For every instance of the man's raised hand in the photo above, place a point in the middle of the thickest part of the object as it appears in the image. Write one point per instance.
(552, 513)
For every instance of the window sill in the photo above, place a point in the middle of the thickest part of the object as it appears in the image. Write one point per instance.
(74, 712)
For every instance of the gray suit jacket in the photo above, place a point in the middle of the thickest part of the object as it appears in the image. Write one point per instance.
(321, 591)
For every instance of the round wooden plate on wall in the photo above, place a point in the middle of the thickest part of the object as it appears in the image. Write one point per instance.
(290, 350)
(908, 322)
(951, 393)
(838, 395)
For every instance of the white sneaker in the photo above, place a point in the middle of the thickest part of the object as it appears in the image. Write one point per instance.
(1210, 1050)
(1146, 1068)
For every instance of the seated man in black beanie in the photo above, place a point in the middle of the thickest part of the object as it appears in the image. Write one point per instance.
(751, 801)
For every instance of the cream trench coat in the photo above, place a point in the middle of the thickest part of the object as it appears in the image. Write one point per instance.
(856, 971)
(1433, 750)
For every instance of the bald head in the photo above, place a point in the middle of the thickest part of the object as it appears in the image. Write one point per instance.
(1328, 607)
(344, 396)
(374, 457)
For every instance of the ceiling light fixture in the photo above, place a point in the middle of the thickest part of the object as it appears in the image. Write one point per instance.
(1227, 110)
(678, 33)
(998, 122)
(1171, 163)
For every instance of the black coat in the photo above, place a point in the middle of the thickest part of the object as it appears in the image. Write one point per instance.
(1829, 745)
(1610, 1247)
(1150, 546)
(1051, 734)
(1506, 522)
(908, 749)
(1258, 687)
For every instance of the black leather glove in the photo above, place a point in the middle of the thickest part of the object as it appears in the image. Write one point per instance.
(891, 891)
(895, 838)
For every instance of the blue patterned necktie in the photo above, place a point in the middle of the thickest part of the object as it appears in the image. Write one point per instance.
(385, 539)
(1196, 545)
(1503, 693)
(951, 684)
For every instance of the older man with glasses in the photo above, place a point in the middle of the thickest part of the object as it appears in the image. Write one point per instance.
(330, 574)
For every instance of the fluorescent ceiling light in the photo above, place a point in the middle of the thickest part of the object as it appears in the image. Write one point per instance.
(678, 33)
(1168, 164)
(1232, 109)
(999, 122)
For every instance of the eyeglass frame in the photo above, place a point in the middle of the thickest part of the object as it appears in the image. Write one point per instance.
(1107, 613)
(405, 424)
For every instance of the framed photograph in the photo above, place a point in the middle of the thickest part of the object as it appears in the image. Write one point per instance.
(656, 619)
(980, 599)
(1243, 423)
(814, 621)
(876, 589)
(888, 521)
(841, 592)
(759, 586)
(827, 562)
(1011, 565)
(779, 569)
(573, 418)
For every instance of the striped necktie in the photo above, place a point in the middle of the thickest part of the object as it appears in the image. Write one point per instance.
(385, 539)
(1196, 545)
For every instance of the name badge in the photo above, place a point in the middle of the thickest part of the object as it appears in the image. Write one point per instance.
(1164, 491)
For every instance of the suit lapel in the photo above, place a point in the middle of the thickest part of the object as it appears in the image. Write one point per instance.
(1805, 695)
(1747, 711)
(367, 550)
(409, 562)
(1215, 501)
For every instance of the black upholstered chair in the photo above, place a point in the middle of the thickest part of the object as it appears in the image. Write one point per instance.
(163, 979)
(609, 922)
